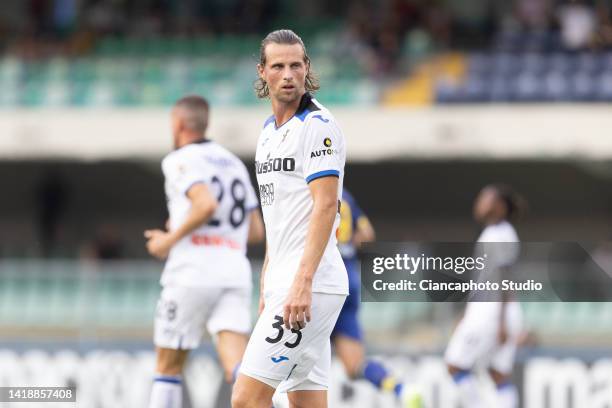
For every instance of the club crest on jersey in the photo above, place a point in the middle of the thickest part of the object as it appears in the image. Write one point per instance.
(285, 135)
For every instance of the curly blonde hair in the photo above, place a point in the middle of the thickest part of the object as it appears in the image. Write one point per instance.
(283, 37)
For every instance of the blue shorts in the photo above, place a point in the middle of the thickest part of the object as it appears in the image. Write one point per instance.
(348, 324)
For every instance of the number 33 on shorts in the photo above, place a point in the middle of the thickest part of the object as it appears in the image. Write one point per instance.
(278, 325)
(280, 354)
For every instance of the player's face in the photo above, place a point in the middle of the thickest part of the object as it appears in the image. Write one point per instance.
(487, 206)
(284, 72)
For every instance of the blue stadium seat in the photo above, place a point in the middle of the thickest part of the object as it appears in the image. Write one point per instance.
(505, 63)
(475, 89)
(479, 64)
(560, 62)
(588, 62)
(528, 88)
(500, 89)
(582, 87)
(606, 61)
(533, 62)
(446, 92)
(556, 87)
(604, 87)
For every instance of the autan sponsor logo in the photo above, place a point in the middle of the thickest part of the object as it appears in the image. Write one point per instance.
(323, 152)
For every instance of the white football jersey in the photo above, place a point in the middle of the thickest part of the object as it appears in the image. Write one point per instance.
(505, 253)
(215, 253)
(308, 146)
(499, 244)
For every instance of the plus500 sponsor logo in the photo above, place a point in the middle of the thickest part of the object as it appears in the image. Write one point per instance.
(275, 164)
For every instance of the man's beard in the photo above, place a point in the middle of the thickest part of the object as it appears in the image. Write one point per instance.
(287, 98)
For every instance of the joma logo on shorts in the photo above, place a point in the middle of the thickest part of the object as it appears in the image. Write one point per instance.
(279, 359)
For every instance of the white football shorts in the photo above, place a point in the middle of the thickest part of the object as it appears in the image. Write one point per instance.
(184, 313)
(475, 342)
(292, 360)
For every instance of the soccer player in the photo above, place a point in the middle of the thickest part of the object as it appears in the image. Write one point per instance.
(347, 337)
(300, 167)
(207, 277)
(489, 331)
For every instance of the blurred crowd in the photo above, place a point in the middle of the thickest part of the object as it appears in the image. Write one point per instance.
(382, 32)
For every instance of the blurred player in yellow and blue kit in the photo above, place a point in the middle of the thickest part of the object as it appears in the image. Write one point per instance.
(347, 337)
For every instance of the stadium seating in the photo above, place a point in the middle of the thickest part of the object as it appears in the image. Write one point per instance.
(68, 294)
(527, 68)
(135, 72)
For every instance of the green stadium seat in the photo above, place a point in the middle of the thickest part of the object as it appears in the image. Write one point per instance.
(151, 94)
(32, 93)
(159, 70)
(56, 93)
(83, 70)
(100, 93)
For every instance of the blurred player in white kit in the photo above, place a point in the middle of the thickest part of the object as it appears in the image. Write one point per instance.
(300, 167)
(207, 277)
(489, 331)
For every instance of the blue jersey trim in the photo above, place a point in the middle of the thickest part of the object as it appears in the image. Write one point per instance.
(461, 375)
(323, 173)
(302, 115)
(268, 121)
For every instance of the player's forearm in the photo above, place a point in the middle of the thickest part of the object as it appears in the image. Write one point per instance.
(199, 214)
(319, 230)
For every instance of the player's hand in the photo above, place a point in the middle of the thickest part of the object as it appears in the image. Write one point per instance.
(159, 243)
(296, 311)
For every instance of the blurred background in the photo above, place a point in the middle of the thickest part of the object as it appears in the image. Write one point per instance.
(436, 99)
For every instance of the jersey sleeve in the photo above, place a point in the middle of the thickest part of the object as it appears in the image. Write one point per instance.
(186, 170)
(323, 149)
(251, 197)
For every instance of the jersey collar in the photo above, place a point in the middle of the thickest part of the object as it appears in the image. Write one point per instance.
(304, 108)
(195, 142)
